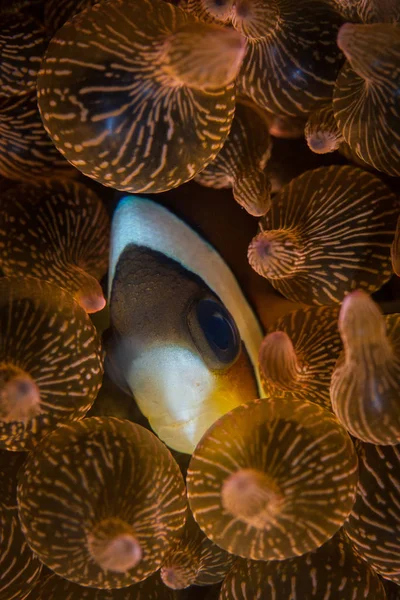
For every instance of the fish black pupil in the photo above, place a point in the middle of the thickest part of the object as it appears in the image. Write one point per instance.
(219, 329)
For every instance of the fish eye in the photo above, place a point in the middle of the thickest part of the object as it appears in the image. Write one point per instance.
(214, 332)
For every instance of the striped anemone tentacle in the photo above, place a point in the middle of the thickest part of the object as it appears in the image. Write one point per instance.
(332, 571)
(328, 232)
(374, 523)
(366, 95)
(365, 383)
(56, 230)
(299, 353)
(140, 96)
(241, 162)
(273, 478)
(117, 491)
(50, 360)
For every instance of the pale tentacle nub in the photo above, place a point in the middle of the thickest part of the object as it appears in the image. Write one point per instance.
(321, 132)
(252, 496)
(253, 191)
(181, 574)
(365, 383)
(367, 59)
(89, 293)
(203, 56)
(195, 560)
(19, 395)
(362, 323)
(241, 162)
(278, 361)
(365, 98)
(276, 253)
(298, 354)
(114, 546)
(285, 127)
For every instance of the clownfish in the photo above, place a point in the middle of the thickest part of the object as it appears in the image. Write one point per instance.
(185, 340)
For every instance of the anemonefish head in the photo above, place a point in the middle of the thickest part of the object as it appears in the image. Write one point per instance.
(185, 339)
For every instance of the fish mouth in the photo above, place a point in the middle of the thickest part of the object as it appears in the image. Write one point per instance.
(181, 397)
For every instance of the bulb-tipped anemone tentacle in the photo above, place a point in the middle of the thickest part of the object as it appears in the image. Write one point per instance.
(334, 570)
(117, 487)
(350, 154)
(279, 362)
(285, 127)
(293, 42)
(276, 254)
(181, 573)
(58, 231)
(286, 41)
(374, 521)
(361, 323)
(203, 56)
(252, 190)
(253, 18)
(328, 232)
(50, 361)
(19, 567)
(367, 58)
(152, 120)
(242, 160)
(285, 485)
(298, 355)
(113, 545)
(369, 11)
(366, 93)
(321, 132)
(195, 560)
(365, 383)
(89, 293)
